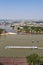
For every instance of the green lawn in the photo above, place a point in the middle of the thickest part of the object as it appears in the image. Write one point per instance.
(20, 40)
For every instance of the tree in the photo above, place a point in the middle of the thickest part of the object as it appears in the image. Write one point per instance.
(1, 30)
(1, 64)
(12, 27)
(26, 29)
(33, 59)
(18, 30)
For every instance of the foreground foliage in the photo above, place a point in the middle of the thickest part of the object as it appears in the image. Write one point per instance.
(1, 31)
(33, 59)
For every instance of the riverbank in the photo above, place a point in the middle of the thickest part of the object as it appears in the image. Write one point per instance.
(8, 33)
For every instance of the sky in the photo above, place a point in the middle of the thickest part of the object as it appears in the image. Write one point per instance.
(21, 9)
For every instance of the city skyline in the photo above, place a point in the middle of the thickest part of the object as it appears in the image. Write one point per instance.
(21, 9)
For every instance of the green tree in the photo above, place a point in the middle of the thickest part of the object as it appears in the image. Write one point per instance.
(18, 30)
(1, 64)
(33, 59)
(26, 29)
(1, 31)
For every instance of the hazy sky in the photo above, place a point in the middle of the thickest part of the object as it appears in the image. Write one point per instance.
(21, 9)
